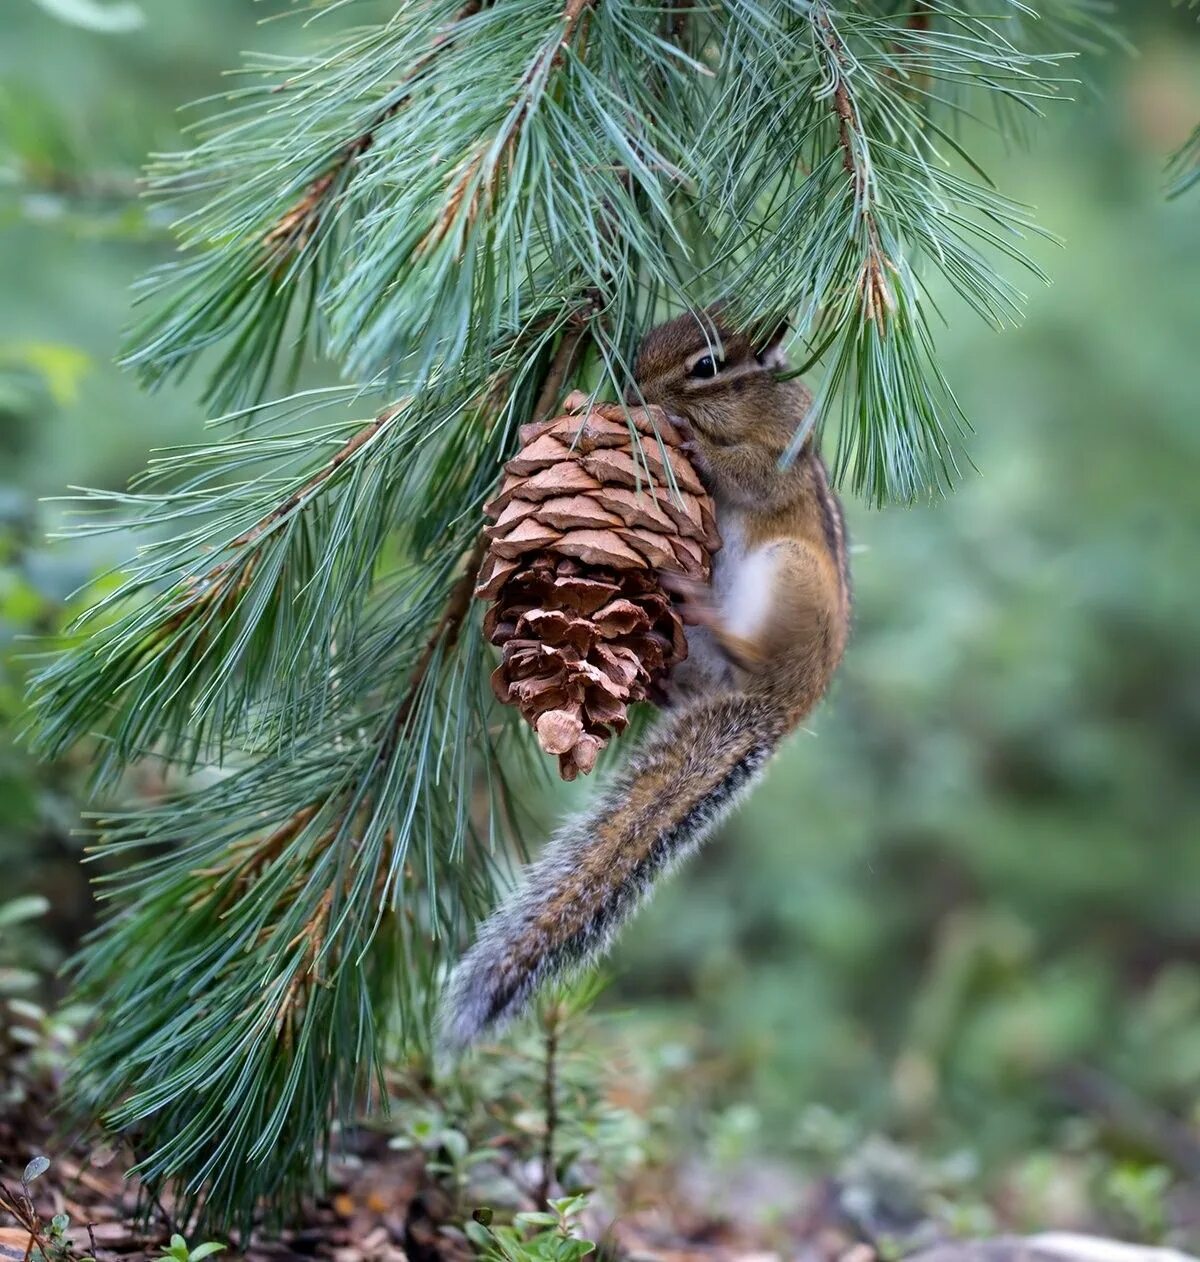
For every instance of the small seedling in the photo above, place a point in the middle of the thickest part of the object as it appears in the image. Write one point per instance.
(544, 1236)
(178, 1251)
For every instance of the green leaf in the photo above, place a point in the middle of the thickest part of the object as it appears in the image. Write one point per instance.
(205, 1250)
(478, 1233)
(112, 18)
(13, 980)
(35, 1169)
(455, 1143)
(18, 910)
(536, 1218)
(61, 367)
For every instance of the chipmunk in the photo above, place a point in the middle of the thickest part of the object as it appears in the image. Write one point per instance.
(763, 643)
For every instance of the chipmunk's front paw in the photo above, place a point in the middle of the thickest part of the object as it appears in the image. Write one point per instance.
(694, 600)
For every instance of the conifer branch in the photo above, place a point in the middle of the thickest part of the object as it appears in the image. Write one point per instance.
(297, 226)
(877, 300)
(303, 889)
(1184, 168)
(476, 184)
(228, 578)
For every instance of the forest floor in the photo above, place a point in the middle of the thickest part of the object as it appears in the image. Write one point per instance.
(626, 1121)
(386, 1204)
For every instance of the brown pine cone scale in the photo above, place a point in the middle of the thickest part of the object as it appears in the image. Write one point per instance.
(595, 505)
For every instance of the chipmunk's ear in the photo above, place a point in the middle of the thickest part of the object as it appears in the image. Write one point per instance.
(768, 348)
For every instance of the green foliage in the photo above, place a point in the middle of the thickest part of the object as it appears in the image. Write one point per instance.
(37, 1041)
(609, 1118)
(1139, 1195)
(38, 798)
(14, 948)
(542, 1236)
(106, 16)
(48, 1241)
(177, 1250)
(803, 158)
(903, 1198)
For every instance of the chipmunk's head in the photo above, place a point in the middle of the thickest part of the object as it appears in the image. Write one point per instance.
(722, 382)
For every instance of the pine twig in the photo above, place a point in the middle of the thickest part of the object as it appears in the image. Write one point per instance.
(24, 1213)
(481, 195)
(550, 1100)
(296, 227)
(210, 587)
(445, 635)
(877, 299)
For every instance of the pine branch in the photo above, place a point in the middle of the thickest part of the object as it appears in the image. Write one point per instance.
(846, 180)
(254, 277)
(1184, 169)
(304, 896)
(876, 297)
(165, 644)
(297, 226)
(476, 185)
(405, 210)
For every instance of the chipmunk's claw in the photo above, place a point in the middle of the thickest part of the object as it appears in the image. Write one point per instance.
(693, 599)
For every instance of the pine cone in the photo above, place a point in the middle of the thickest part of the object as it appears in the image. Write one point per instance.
(583, 528)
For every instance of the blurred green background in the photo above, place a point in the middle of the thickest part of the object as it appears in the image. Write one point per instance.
(966, 906)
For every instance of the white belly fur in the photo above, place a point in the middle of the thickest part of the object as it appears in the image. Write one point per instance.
(741, 584)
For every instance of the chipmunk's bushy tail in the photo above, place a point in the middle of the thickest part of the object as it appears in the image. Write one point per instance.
(600, 867)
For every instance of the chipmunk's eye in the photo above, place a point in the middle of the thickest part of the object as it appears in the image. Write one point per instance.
(707, 366)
